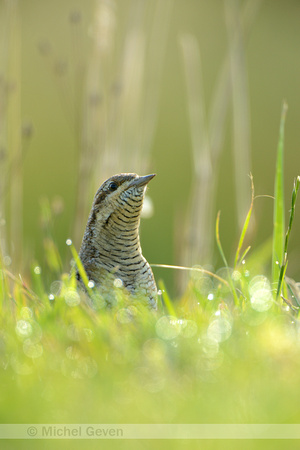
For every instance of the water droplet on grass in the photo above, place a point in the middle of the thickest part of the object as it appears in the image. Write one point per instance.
(55, 287)
(260, 294)
(219, 329)
(236, 275)
(23, 328)
(210, 347)
(72, 297)
(37, 270)
(168, 327)
(31, 349)
(118, 283)
(26, 313)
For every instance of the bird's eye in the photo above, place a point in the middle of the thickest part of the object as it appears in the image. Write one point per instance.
(113, 186)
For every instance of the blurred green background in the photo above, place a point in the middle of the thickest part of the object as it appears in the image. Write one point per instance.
(55, 36)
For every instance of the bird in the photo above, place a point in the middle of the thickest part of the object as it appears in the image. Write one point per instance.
(110, 251)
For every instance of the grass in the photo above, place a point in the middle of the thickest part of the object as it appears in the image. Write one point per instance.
(278, 233)
(226, 352)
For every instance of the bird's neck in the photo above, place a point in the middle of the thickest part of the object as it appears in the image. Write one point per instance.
(117, 238)
(120, 233)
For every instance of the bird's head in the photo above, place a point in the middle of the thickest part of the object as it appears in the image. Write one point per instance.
(118, 194)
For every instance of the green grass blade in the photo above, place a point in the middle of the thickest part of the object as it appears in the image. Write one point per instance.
(218, 240)
(282, 274)
(4, 288)
(243, 256)
(292, 212)
(245, 227)
(287, 236)
(236, 300)
(166, 299)
(80, 267)
(278, 217)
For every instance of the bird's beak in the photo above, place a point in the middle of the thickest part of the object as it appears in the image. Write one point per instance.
(141, 181)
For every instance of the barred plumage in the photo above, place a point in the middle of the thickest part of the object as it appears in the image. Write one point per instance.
(110, 247)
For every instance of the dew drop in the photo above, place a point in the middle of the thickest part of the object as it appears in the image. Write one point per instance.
(72, 297)
(236, 275)
(55, 287)
(260, 294)
(37, 270)
(23, 328)
(219, 329)
(26, 313)
(32, 350)
(118, 283)
(167, 327)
